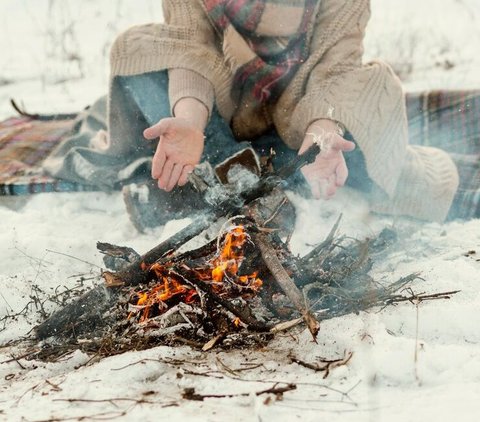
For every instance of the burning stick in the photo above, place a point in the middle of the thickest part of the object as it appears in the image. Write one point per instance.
(243, 313)
(214, 276)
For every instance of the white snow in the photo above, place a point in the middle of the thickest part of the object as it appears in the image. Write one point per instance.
(55, 58)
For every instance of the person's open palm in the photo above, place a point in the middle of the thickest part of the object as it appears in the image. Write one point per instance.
(178, 151)
(329, 170)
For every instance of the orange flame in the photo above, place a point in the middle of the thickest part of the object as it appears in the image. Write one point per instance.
(228, 262)
(224, 266)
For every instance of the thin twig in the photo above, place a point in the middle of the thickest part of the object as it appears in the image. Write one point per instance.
(74, 257)
(112, 401)
(96, 416)
(135, 363)
(327, 365)
(275, 212)
(415, 359)
(189, 393)
(328, 241)
(227, 368)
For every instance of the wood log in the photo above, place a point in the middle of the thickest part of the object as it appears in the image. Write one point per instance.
(135, 273)
(83, 315)
(275, 266)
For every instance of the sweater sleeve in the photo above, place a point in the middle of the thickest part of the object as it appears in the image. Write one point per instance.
(184, 83)
(186, 45)
(367, 99)
(334, 76)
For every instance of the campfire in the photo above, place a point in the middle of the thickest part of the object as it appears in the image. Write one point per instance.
(237, 289)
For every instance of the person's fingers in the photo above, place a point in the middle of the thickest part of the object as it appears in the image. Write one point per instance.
(158, 162)
(166, 173)
(342, 144)
(157, 130)
(176, 173)
(341, 173)
(182, 181)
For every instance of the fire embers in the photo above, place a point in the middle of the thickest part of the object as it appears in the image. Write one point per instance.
(167, 291)
(174, 282)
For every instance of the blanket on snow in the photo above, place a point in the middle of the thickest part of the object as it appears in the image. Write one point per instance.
(25, 143)
(450, 120)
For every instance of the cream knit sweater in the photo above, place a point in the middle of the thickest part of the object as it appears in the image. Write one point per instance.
(332, 83)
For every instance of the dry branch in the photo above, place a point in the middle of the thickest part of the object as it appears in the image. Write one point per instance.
(272, 262)
(324, 365)
(83, 314)
(190, 394)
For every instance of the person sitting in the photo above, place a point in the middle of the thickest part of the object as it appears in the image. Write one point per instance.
(218, 75)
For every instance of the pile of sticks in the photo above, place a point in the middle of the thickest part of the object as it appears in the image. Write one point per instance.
(332, 280)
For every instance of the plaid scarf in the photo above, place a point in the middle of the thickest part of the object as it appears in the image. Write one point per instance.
(265, 42)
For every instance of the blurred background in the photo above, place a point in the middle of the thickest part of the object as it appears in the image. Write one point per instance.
(54, 53)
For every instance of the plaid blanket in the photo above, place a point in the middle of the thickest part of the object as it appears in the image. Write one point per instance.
(450, 120)
(265, 55)
(24, 145)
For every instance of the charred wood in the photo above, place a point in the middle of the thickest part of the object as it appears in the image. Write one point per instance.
(81, 316)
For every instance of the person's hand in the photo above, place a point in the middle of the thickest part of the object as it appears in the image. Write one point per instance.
(178, 151)
(181, 143)
(329, 170)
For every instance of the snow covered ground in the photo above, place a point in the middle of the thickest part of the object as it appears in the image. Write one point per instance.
(55, 58)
